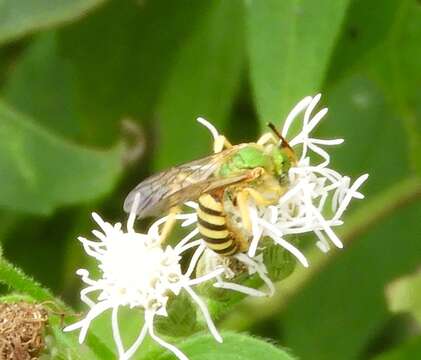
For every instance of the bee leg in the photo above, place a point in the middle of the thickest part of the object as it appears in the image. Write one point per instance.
(257, 197)
(256, 173)
(265, 138)
(169, 224)
(278, 190)
(220, 143)
(242, 198)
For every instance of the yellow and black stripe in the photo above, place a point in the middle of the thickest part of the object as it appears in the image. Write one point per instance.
(212, 224)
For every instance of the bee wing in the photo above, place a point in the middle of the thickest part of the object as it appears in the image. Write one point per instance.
(180, 184)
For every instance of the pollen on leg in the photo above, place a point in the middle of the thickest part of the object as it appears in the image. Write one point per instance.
(169, 223)
(242, 198)
(258, 198)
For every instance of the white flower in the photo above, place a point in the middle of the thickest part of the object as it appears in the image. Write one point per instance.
(252, 265)
(136, 272)
(212, 261)
(311, 188)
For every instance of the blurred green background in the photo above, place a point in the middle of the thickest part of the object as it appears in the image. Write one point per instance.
(95, 95)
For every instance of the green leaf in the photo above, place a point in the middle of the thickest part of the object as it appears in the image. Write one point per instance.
(234, 347)
(221, 303)
(15, 279)
(42, 85)
(409, 350)
(348, 293)
(131, 321)
(386, 43)
(121, 57)
(181, 320)
(365, 29)
(357, 110)
(8, 56)
(344, 307)
(404, 295)
(375, 209)
(66, 346)
(203, 82)
(14, 298)
(7, 223)
(279, 262)
(20, 17)
(397, 70)
(40, 171)
(289, 45)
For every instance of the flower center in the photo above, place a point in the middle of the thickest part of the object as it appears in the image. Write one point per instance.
(138, 272)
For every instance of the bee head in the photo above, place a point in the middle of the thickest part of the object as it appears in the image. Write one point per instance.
(283, 155)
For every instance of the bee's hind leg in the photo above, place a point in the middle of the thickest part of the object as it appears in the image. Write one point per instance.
(169, 223)
(220, 143)
(242, 199)
(257, 197)
(242, 203)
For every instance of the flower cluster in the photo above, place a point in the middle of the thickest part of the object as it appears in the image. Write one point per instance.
(139, 271)
(311, 188)
(136, 272)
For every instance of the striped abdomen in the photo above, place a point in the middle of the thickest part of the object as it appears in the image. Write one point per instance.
(212, 224)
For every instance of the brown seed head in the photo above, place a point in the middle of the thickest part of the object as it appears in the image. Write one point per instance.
(22, 330)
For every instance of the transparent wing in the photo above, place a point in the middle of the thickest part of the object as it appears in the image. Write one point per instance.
(180, 184)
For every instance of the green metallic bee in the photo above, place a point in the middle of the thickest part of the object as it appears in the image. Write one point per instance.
(230, 176)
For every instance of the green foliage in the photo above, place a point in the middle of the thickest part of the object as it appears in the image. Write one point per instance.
(289, 44)
(409, 350)
(398, 73)
(388, 50)
(71, 73)
(18, 18)
(203, 82)
(181, 320)
(136, 57)
(342, 299)
(15, 279)
(42, 66)
(370, 105)
(280, 263)
(378, 115)
(30, 155)
(404, 295)
(234, 347)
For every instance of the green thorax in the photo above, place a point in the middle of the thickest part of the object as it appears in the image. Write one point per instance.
(251, 156)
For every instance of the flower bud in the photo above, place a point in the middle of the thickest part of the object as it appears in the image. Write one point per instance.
(181, 320)
(279, 262)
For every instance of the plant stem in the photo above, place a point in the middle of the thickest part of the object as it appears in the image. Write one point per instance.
(375, 210)
(17, 280)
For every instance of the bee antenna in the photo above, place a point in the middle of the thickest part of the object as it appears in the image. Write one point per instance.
(279, 135)
(275, 130)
